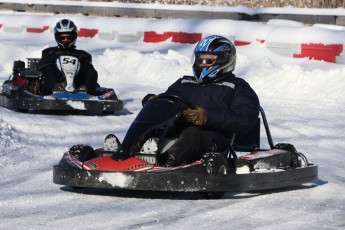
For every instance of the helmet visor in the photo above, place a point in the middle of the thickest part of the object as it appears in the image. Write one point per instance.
(66, 40)
(206, 60)
(65, 37)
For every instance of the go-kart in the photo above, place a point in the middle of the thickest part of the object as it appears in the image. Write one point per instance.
(23, 91)
(138, 163)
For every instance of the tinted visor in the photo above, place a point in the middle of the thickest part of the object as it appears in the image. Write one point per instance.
(205, 60)
(67, 37)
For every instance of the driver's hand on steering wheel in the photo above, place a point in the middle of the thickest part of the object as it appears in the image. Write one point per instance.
(196, 116)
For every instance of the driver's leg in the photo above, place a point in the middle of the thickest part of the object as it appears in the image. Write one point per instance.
(189, 147)
(52, 77)
(87, 76)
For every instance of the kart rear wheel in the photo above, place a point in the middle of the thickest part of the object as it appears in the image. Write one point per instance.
(294, 156)
(294, 161)
(23, 110)
(108, 112)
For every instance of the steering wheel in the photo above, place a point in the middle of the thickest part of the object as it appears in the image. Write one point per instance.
(171, 96)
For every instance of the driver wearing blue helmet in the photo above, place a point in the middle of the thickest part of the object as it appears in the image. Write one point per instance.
(224, 103)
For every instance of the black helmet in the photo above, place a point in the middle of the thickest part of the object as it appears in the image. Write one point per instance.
(213, 57)
(65, 28)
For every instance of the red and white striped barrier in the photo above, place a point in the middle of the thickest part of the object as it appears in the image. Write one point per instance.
(292, 40)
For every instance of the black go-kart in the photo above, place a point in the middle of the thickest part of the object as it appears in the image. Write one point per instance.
(136, 164)
(23, 91)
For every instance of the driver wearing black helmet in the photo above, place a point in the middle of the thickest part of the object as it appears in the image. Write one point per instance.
(224, 103)
(65, 53)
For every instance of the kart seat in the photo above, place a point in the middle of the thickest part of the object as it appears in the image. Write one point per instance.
(251, 141)
(248, 142)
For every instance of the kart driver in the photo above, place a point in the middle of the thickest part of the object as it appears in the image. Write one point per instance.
(225, 104)
(86, 76)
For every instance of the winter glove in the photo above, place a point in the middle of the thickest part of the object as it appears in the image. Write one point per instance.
(196, 116)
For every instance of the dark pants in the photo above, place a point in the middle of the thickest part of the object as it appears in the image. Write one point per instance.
(52, 76)
(192, 144)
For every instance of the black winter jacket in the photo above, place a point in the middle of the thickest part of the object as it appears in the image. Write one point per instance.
(49, 56)
(87, 74)
(232, 105)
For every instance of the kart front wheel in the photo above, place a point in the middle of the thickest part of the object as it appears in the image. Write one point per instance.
(215, 163)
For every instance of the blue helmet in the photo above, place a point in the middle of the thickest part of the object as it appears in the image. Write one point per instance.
(214, 56)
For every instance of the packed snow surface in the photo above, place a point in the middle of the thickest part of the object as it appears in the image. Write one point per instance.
(304, 102)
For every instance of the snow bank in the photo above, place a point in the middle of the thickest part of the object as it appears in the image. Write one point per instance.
(284, 37)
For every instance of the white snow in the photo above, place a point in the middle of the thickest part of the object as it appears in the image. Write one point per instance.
(116, 179)
(304, 102)
(76, 105)
(170, 6)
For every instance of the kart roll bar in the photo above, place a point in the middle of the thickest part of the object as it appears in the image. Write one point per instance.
(267, 129)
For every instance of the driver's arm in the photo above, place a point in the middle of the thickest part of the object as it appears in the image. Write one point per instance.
(48, 58)
(238, 117)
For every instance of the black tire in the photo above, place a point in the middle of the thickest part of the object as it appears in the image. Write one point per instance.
(213, 195)
(286, 146)
(294, 161)
(83, 152)
(105, 112)
(23, 110)
(294, 155)
(215, 163)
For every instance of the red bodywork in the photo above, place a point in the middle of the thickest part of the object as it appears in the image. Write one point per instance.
(132, 164)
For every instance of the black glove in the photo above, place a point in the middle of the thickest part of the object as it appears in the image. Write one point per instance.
(196, 116)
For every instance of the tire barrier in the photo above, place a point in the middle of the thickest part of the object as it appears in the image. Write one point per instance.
(284, 49)
(326, 53)
(87, 33)
(129, 36)
(290, 39)
(152, 36)
(36, 30)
